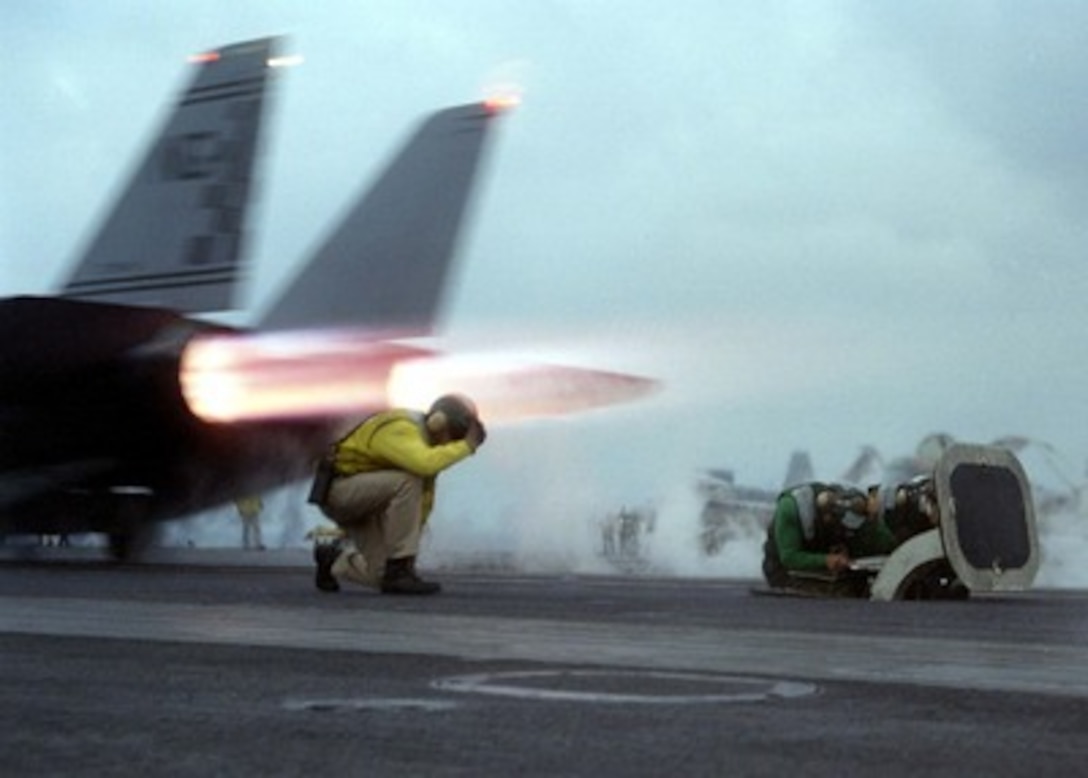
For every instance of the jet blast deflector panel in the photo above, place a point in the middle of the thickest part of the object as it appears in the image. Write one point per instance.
(987, 517)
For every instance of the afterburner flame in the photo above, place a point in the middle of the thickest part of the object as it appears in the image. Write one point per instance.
(239, 377)
(298, 375)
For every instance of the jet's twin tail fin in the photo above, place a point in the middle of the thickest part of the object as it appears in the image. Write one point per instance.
(799, 470)
(174, 238)
(385, 266)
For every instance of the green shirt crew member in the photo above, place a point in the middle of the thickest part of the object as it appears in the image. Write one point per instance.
(817, 530)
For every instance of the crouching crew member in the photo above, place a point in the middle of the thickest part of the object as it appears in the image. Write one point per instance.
(911, 508)
(817, 531)
(383, 490)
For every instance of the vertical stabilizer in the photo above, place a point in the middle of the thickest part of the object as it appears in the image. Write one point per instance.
(385, 266)
(799, 470)
(174, 238)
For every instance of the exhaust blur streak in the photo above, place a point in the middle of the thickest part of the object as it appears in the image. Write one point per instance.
(506, 391)
(236, 378)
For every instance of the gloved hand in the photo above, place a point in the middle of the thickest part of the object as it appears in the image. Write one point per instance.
(837, 561)
(476, 434)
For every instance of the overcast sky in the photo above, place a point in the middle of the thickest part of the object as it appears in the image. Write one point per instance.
(820, 224)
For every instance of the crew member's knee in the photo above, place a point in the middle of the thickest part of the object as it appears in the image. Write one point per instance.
(355, 498)
(408, 486)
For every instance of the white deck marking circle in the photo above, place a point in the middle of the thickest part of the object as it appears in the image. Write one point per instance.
(729, 688)
(1022, 665)
(327, 704)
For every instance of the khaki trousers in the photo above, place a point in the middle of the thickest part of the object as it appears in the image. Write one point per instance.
(381, 513)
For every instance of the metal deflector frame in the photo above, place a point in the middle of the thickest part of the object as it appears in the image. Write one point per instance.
(987, 518)
(987, 530)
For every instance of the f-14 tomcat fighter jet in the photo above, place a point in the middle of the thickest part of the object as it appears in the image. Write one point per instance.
(98, 430)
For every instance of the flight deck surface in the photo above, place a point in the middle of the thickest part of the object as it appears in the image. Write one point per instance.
(232, 662)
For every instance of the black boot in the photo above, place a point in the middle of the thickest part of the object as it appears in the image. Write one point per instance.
(325, 555)
(400, 578)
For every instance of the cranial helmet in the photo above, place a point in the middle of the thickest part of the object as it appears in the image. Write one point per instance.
(854, 500)
(458, 411)
(837, 501)
(850, 507)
